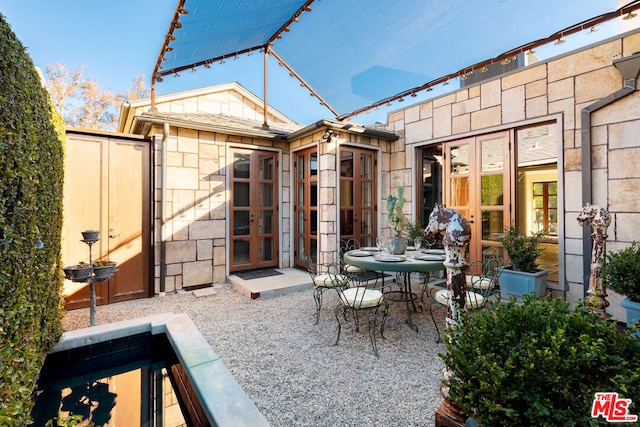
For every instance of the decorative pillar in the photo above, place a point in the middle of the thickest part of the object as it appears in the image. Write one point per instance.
(456, 235)
(600, 220)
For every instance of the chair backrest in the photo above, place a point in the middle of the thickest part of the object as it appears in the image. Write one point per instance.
(326, 275)
(482, 280)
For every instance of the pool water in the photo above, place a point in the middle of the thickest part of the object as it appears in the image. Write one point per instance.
(129, 381)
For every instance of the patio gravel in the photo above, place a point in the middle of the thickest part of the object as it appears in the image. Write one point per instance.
(289, 367)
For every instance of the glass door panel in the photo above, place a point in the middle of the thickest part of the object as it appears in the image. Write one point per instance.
(306, 206)
(357, 195)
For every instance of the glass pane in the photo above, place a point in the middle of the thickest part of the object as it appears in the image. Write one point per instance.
(553, 188)
(538, 188)
(313, 194)
(459, 159)
(492, 155)
(538, 202)
(241, 223)
(346, 193)
(266, 167)
(241, 165)
(300, 215)
(346, 222)
(539, 214)
(241, 251)
(367, 194)
(346, 164)
(265, 252)
(460, 191)
(301, 250)
(313, 164)
(313, 250)
(301, 194)
(553, 201)
(492, 190)
(313, 222)
(265, 222)
(265, 195)
(366, 224)
(240, 194)
(492, 225)
(300, 167)
(553, 214)
(366, 166)
(553, 228)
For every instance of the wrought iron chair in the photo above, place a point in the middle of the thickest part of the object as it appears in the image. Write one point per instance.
(482, 286)
(363, 297)
(353, 272)
(324, 277)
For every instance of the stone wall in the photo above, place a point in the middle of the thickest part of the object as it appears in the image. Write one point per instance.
(562, 86)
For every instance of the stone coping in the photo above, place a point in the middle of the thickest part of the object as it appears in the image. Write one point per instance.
(221, 397)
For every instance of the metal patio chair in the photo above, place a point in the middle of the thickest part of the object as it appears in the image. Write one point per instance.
(324, 277)
(482, 286)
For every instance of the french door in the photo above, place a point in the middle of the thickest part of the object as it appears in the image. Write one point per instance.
(254, 210)
(306, 206)
(358, 195)
(477, 179)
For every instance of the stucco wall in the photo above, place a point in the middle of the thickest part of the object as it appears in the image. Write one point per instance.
(566, 86)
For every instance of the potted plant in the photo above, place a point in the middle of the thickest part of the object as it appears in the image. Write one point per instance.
(104, 269)
(522, 276)
(538, 363)
(81, 272)
(415, 229)
(621, 273)
(398, 221)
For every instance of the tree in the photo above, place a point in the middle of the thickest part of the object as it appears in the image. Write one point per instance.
(81, 101)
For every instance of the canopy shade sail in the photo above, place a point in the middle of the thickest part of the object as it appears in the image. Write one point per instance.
(356, 55)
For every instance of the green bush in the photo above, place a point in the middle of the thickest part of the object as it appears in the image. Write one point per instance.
(621, 271)
(539, 364)
(523, 250)
(31, 178)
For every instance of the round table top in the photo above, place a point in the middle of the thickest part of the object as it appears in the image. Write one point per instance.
(405, 263)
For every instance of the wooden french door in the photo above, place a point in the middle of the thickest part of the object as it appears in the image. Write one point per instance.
(478, 182)
(306, 206)
(358, 194)
(254, 209)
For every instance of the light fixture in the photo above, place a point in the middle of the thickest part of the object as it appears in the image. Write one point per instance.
(286, 29)
(160, 67)
(158, 78)
(193, 69)
(171, 37)
(530, 52)
(329, 134)
(445, 83)
(235, 58)
(429, 89)
(413, 94)
(183, 11)
(207, 65)
(307, 9)
(593, 29)
(250, 53)
(463, 77)
(168, 49)
(176, 24)
(506, 61)
(401, 100)
(629, 15)
(559, 41)
(222, 61)
(279, 37)
(175, 74)
(484, 69)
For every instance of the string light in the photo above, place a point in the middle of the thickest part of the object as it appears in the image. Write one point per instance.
(629, 15)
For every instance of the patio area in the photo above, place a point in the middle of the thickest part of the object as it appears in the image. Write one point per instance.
(289, 367)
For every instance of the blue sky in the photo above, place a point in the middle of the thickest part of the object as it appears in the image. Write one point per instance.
(118, 39)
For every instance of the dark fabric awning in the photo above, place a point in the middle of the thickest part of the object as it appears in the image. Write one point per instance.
(358, 54)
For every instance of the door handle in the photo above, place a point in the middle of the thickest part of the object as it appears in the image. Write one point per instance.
(112, 235)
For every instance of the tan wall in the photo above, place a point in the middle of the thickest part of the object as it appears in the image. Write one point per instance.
(196, 208)
(565, 86)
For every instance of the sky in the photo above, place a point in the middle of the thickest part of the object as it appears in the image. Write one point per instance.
(117, 40)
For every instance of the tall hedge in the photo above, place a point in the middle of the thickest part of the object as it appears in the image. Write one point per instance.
(31, 179)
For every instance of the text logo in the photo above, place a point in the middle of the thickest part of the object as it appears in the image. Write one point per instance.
(612, 408)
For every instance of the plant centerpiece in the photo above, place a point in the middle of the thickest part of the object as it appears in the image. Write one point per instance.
(621, 273)
(398, 221)
(522, 276)
(104, 269)
(538, 363)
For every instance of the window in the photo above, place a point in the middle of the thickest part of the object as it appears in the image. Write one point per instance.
(545, 207)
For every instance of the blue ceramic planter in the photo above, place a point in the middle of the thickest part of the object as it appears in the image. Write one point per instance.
(633, 312)
(517, 283)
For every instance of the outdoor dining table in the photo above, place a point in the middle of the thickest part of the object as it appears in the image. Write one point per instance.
(404, 264)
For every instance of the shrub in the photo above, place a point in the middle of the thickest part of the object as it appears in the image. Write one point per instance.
(621, 271)
(31, 177)
(523, 250)
(539, 364)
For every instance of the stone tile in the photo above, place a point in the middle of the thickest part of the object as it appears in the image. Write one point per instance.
(486, 118)
(490, 94)
(597, 84)
(204, 250)
(513, 105)
(624, 135)
(187, 140)
(584, 61)
(461, 124)
(418, 131)
(412, 114)
(197, 273)
(466, 106)
(536, 107)
(523, 77)
(627, 226)
(573, 198)
(624, 163)
(444, 100)
(183, 178)
(573, 159)
(624, 195)
(536, 89)
(561, 89)
(631, 44)
(180, 251)
(442, 121)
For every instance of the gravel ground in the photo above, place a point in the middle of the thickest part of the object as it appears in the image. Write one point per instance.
(289, 367)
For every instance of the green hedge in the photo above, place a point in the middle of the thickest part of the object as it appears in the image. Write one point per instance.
(31, 179)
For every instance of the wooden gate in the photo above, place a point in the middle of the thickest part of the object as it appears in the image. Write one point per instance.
(108, 188)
